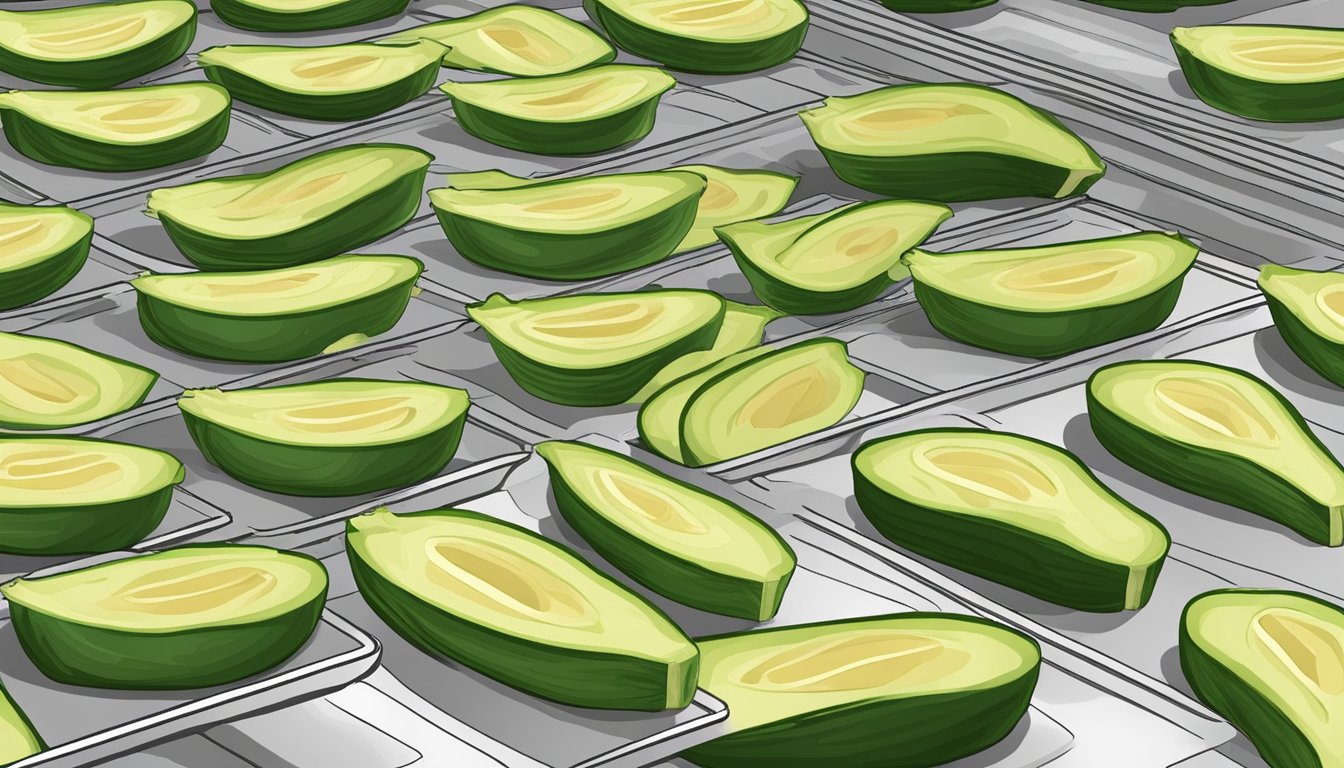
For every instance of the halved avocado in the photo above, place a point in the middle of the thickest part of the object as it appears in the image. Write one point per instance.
(1308, 310)
(733, 195)
(130, 129)
(1223, 434)
(722, 37)
(909, 689)
(339, 437)
(779, 396)
(330, 82)
(659, 420)
(571, 229)
(520, 609)
(18, 737)
(189, 617)
(950, 142)
(676, 539)
(303, 15)
(518, 40)
(316, 207)
(1054, 299)
(743, 328)
(935, 6)
(50, 384)
(1272, 663)
(596, 348)
(41, 249)
(1276, 73)
(1013, 510)
(840, 262)
(70, 496)
(276, 315)
(579, 113)
(95, 46)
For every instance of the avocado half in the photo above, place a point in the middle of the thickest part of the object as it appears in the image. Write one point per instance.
(276, 315)
(1272, 663)
(18, 737)
(520, 40)
(1012, 510)
(50, 384)
(1308, 310)
(1055, 299)
(743, 328)
(189, 617)
(520, 609)
(313, 208)
(672, 537)
(948, 143)
(129, 129)
(1274, 73)
(578, 113)
(41, 249)
(909, 689)
(95, 46)
(303, 15)
(710, 38)
(1223, 434)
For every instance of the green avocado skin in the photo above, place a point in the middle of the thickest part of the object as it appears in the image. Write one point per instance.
(587, 137)
(699, 56)
(1271, 102)
(269, 339)
(97, 74)
(790, 299)
(51, 146)
(1325, 357)
(23, 286)
(951, 177)
(85, 529)
(348, 14)
(933, 730)
(1006, 554)
(935, 6)
(575, 678)
(1216, 475)
(343, 107)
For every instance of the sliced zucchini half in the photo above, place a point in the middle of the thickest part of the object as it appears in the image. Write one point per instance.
(50, 384)
(520, 40)
(719, 38)
(303, 15)
(41, 249)
(1308, 310)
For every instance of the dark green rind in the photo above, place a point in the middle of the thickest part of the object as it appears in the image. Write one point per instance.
(23, 286)
(269, 339)
(935, 6)
(686, 54)
(571, 677)
(933, 730)
(791, 299)
(609, 385)
(359, 223)
(1278, 740)
(337, 107)
(952, 177)
(1155, 6)
(97, 74)
(348, 14)
(97, 657)
(1003, 553)
(10, 712)
(1272, 102)
(1322, 355)
(670, 576)
(1216, 475)
(585, 137)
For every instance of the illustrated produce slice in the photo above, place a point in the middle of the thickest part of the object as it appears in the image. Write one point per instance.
(130, 129)
(520, 609)
(840, 262)
(1013, 510)
(303, 15)
(677, 540)
(713, 38)
(910, 689)
(95, 46)
(331, 82)
(571, 229)
(316, 207)
(935, 6)
(733, 195)
(276, 315)
(189, 617)
(1223, 434)
(18, 738)
(1055, 299)
(50, 384)
(515, 40)
(68, 496)
(771, 399)
(950, 143)
(580, 113)
(1308, 310)
(743, 328)
(1272, 663)
(41, 249)
(596, 348)
(339, 437)
(659, 419)
(1275, 73)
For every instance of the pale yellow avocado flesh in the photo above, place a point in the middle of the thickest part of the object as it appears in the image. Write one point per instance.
(129, 116)
(60, 472)
(1315, 298)
(1267, 53)
(176, 590)
(515, 39)
(726, 21)
(584, 95)
(29, 234)
(93, 31)
(17, 741)
(733, 195)
(348, 68)
(52, 383)
(330, 413)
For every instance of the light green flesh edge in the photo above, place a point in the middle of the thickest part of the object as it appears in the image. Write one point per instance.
(1314, 298)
